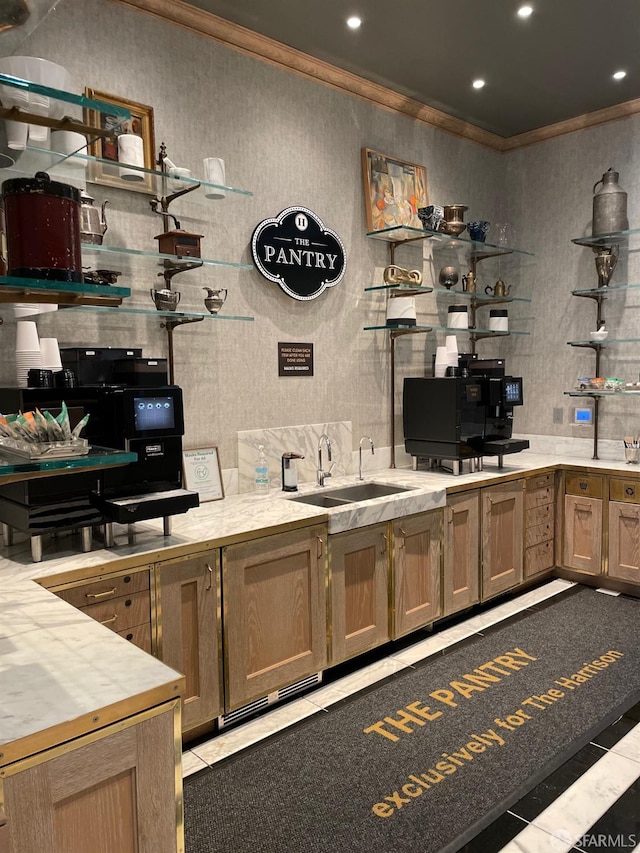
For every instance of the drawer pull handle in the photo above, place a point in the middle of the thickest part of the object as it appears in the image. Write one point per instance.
(383, 549)
(583, 506)
(320, 548)
(110, 621)
(210, 583)
(105, 594)
(630, 491)
(583, 485)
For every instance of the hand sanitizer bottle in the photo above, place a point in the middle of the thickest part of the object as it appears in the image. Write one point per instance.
(261, 479)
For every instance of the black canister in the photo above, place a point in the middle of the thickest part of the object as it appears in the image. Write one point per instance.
(43, 228)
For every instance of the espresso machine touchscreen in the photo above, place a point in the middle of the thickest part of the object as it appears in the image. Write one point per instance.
(456, 419)
(153, 413)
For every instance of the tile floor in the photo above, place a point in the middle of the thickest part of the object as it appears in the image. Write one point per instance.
(592, 802)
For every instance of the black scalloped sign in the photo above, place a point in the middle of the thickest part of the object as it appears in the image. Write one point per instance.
(297, 251)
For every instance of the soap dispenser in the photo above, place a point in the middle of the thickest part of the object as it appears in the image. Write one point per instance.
(289, 472)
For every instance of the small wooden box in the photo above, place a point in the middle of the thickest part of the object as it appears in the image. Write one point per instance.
(180, 243)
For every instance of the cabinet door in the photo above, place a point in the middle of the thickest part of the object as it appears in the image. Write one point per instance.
(275, 630)
(417, 550)
(461, 570)
(624, 541)
(502, 537)
(118, 792)
(359, 571)
(189, 632)
(582, 548)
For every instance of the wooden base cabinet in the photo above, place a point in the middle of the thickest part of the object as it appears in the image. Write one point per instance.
(118, 789)
(359, 591)
(502, 537)
(624, 541)
(461, 564)
(582, 539)
(539, 524)
(274, 621)
(417, 557)
(189, 632)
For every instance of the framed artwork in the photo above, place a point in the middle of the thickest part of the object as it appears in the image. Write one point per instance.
(202, 473)
(140, 124)
(393, 191)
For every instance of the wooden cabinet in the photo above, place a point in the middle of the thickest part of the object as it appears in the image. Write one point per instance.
(539, 524)
(117, 789)
(502, 537)
(189, 632)
(121, 601)
(359, 591)
(417, 556)
(273, 589)
(624, 529)
(582, 538)
(461, 562)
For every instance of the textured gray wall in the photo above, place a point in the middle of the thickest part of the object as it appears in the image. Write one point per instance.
(291, 141)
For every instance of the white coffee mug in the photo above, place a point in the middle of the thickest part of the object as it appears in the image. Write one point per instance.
(178, 172)
(70, 142)
(214, 174)
(131, 152)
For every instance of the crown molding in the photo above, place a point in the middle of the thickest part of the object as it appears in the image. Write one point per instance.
(275, 53)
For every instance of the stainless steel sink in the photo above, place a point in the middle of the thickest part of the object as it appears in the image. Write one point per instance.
(366, 491)
(350, 494)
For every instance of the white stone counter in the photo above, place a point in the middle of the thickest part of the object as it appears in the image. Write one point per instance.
(62, 674)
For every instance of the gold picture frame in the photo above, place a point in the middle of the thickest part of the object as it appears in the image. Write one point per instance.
(202, 473)
(140, 123)
(393, 191)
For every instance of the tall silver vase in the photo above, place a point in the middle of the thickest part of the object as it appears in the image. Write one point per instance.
(606, 262)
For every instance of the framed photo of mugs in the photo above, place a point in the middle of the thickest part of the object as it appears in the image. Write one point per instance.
(202, 474)
(393, 191)
(135, 145)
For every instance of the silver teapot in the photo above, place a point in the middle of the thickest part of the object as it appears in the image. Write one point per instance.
(214, 300)
(93, 223)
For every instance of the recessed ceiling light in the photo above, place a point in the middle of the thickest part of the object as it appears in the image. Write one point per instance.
(619, 75)
(354, 22)
(478, 84)
(525, 11)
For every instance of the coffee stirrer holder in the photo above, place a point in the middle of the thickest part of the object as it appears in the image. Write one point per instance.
(160, 205)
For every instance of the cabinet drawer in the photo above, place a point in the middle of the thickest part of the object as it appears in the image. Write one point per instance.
(624, 490)
(539, 515)
(121, 613)
(537, 534)
(538, 558)
(589, 485)
(538, 497)
(140, 636)
(543, 481)
(105, 590)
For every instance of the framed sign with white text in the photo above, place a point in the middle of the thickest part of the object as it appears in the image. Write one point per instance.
(202, 473)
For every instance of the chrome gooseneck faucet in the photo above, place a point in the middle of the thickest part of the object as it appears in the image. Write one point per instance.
(370, 440)
(322, 474)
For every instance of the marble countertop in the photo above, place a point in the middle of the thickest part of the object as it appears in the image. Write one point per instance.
(63, 674)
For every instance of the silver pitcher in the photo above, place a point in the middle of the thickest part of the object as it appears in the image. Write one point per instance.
(214, 300)
(93, 222)
(165, 299)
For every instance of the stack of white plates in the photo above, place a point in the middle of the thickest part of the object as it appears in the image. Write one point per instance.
(28, 353)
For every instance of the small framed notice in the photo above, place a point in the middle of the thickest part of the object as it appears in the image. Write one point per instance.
(202, 473)
(295, 359)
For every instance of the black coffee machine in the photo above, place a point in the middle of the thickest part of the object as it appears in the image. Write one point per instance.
(146, 420)
(462, 418)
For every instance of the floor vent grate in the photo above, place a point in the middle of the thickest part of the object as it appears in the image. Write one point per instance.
(241, 714)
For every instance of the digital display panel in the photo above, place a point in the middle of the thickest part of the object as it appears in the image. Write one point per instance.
(153, 413)
(513, 392)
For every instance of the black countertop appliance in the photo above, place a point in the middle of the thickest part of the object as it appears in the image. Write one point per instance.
(146, 421)
(454, 419)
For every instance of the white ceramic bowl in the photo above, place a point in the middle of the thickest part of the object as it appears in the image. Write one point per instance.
(599, 335)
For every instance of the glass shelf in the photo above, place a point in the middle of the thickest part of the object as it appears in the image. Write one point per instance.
(603, 343)
(595, 393)
(68, 97)
(614, 238)
(409, 290)
(611, 288)
(96, 257)
(98, 457)
(153, 312)
(406, 233)
(19, 289)
(406, 289)
(47, 159)
(486, 332)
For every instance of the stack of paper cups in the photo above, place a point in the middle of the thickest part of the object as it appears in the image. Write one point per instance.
(214, 173)
(452, 350)
(27, 350)
(50, 353)
(131, 151)
(442, 361)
